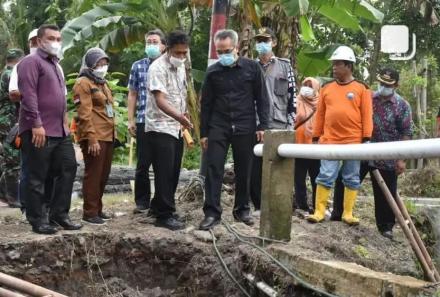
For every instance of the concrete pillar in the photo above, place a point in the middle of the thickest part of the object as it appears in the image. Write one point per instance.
(277, 187)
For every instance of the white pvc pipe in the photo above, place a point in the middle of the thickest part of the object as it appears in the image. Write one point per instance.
(409, 149)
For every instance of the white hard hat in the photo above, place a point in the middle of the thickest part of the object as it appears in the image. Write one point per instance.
(33, 34)
(343, 53)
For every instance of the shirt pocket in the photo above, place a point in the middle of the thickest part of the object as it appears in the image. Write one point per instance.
(98, 97)
(280, 112)
(281, 86)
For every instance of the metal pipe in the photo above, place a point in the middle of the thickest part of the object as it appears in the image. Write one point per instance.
(6, 293)
(262, 286)
(403, 223)
(409, 149)
(26, 287)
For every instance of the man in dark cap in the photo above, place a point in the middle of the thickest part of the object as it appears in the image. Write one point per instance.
(392, 121)
(280, 84)
(9, 159)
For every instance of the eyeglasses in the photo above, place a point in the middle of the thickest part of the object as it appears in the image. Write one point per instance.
(222, 52)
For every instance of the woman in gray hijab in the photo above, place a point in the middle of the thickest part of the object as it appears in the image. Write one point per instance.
(95, 131)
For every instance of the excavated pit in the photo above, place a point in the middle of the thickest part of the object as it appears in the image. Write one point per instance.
(134, 265)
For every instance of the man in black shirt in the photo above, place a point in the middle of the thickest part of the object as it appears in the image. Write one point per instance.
(233, 88)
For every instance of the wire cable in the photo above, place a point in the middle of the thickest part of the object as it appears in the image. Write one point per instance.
(263, 239)
(292, 274)
(243, 290)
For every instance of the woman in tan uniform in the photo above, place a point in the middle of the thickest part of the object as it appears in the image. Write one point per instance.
(95, 130)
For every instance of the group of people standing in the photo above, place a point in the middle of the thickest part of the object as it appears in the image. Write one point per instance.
(240, 99)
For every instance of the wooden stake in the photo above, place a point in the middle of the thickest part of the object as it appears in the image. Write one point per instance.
(429, 273)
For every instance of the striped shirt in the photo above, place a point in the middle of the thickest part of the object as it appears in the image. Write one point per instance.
(138, 82)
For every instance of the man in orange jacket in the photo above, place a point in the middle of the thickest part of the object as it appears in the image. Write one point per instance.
(344, 116)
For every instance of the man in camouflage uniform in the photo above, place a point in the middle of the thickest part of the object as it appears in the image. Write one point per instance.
(9, 157)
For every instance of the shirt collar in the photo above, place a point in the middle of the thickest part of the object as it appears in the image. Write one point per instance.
(46, 56)
(392, 99)
(271, 60)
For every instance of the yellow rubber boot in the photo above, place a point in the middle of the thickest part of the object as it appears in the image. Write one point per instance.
(349, 201)
(322, 194)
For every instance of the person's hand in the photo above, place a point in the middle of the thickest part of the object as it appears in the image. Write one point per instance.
(400, 166)
(94, 149)
(204, 143)
(185, 121)
(260, 136)
(132, 128)
(38, 136)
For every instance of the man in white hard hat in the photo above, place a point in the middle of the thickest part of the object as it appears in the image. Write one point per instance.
(14, 93)
(344, 116)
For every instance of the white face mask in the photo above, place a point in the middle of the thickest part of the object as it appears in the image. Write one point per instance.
(33, 50)
(307, 92)
(176, 62)
(100, 71)
(52, 48)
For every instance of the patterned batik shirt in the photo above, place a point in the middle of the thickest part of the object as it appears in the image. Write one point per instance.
(138, 82)
(392, 121)
(171, 81)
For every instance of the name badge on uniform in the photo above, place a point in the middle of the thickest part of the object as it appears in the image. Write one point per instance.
(109, 110)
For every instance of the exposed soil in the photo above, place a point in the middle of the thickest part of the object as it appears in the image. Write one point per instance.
(130, 257)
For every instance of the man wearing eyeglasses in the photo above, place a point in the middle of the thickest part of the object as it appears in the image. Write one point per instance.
(233, 88)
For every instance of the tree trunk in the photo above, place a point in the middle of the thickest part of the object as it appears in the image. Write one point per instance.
(418, 112)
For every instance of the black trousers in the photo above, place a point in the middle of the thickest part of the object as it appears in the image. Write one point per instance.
(256, 175)
(142, 187)
(242, 152)
(166, 155)
(385, 219)
(57, 160)
(302, 168)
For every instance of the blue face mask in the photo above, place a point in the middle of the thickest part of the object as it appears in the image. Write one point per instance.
(385, 91)
(152, 51)
(263, 47)
(227, 59)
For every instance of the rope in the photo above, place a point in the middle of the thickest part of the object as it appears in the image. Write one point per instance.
(292, 274)
(226, 267)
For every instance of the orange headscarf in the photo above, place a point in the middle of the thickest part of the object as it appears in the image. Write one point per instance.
(307, 105)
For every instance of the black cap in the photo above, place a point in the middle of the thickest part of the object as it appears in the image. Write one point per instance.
(265, 32)
(388, 76)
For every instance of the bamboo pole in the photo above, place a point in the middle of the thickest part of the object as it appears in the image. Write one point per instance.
(402, 222)
(6, 293)
(26, 287)
(419, 240)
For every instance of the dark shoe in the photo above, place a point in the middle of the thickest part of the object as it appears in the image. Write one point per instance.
(335, 217)
(140, 209)
(244, 217)
(151, 213)
(94, 220)
(388, 234)
(66, 224)
(44, 229)
(14, 204)
(105, 216)
(209, 223)
(169, 223)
